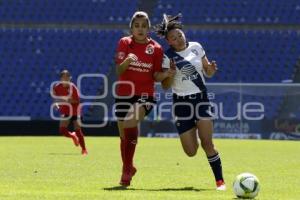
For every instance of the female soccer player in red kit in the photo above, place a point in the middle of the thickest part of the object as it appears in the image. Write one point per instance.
(68, 104)
(139, 65)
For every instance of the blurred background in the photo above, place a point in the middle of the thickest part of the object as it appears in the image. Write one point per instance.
(256, 44)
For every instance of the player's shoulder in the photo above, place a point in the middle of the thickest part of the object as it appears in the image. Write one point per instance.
(195, 44)
(155, 44)
(196, 48)
(57, 85)
(73, 85)
(126, 39)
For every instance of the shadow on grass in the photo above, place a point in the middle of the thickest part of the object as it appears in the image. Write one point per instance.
(63, 154)
(156, 190)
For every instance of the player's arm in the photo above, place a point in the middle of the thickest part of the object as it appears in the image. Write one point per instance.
(55, 101)
(122, 67)
(160, 76)
(73, 101)
(209, 68)
(162, 62)
(167, 82)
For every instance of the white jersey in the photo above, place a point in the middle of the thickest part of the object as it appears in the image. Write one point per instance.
(189, 77)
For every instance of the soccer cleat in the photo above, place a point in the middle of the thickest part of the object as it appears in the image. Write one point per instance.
(75, 139)
(84, 152)
(221, 185)
(127, 176)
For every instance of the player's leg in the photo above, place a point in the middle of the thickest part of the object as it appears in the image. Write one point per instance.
(80, 136)
(134, 116)
(205, 131)
(185, 124)
(121, 109)
(121, 128)
(122, 139)
(189, 142)
(63, 129)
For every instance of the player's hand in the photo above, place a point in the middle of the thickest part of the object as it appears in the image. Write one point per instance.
(172, 64)
(132, 58)
(172, 70)
(171, 73)
(64, 99)
(214, 66)
(70, 100)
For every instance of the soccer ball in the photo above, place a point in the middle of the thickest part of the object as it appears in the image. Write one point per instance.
(246, 185)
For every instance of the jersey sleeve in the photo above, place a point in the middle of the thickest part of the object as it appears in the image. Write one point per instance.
(121, 51)
(158, 60)
(166, 62)
(201, 50)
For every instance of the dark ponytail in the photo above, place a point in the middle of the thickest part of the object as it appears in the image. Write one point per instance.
(168, 23)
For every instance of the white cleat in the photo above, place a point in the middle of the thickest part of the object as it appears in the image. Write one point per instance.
(221, 187)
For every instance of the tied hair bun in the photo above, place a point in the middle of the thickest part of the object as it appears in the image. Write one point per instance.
(168, 23)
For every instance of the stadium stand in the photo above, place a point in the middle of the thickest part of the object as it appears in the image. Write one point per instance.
(231, 12)
(259, 56)
(251, 56)
(32, 59)
(67, 11)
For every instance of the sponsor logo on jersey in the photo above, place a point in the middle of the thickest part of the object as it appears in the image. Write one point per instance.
(194, 51)
(149, 49)
(189, 72)
(141, 64)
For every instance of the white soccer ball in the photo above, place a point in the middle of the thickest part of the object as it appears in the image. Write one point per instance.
(246, 185)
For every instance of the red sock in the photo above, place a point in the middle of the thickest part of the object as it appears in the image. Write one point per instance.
(80, 136)
(130, 135)
(122, 148)
(64, 131)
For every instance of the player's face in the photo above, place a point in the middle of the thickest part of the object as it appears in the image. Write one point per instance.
(140, 29)
(176, 39)
(65, 78)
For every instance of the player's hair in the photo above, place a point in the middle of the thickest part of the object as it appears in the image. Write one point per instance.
(168, 23)
(64, 72)
(139, 14)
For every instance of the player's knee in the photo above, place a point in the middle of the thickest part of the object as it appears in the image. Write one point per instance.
(190, 152)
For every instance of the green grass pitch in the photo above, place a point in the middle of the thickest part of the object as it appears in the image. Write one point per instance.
(47, 168)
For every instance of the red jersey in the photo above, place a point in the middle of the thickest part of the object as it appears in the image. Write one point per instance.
(65, 91)
(141, 72)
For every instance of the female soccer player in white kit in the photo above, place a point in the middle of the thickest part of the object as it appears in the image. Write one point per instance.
(191, 105)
